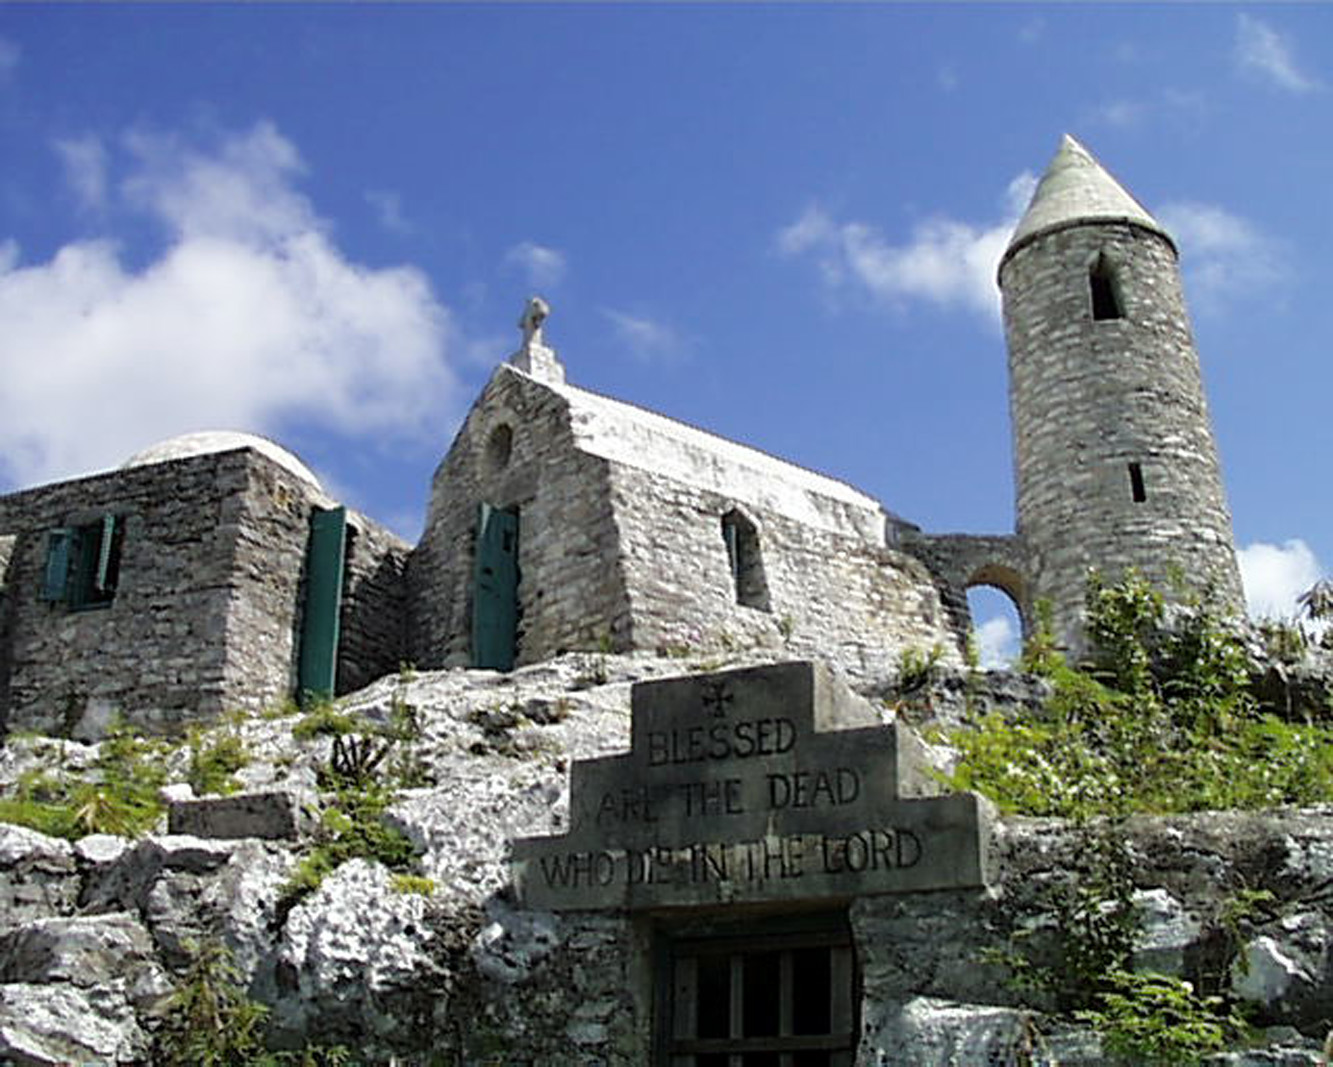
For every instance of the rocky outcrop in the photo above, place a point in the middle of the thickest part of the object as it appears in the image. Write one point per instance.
(93, 934)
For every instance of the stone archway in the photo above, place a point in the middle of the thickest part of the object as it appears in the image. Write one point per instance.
(998, 624)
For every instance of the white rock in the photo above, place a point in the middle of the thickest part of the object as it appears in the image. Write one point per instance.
(61, 1024)
(100, 850)
(1268, 973)
(1166, 930)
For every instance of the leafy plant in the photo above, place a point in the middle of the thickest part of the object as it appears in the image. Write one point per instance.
(916, 669)
(412, 883)
(1156, 1019)
(209, 1021)
(1161, 720)
(214, 761)
(120, 797)
(325, 719)
(352, 827)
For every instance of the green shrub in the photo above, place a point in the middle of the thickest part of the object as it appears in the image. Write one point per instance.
(352, 827)
(1161, 720)
(214, 762)
(324, 719)
(1156, 1019)
(121, 796)
(208, 1020)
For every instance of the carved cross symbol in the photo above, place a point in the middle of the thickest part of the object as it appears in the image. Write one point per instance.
(716, 697)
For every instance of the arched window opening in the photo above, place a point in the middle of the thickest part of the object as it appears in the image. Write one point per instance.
(746, 560)
(997, 629)
(499, 446)
(1106, 303)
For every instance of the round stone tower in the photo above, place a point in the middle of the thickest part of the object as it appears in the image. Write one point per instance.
(1115, 465)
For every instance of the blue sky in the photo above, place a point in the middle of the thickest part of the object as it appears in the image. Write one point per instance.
(777, 222)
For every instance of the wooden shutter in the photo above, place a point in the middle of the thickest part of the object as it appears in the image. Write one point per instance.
(495, 590)
(102, 576)
(323, 604)
(59, 550)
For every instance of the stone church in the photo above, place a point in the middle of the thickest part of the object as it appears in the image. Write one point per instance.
(213, 571)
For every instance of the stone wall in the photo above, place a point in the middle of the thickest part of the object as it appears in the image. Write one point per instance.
(834, 594)
(157, 650)
(928, 992)
(960, 562)
(516, 451)
(206, 612)
(269, 526)
(621, 543)
(373, 621)
(1091, 397)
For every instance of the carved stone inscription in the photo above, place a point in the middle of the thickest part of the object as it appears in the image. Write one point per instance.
(771, 783)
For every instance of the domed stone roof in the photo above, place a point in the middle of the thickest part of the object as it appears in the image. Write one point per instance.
(207, 442)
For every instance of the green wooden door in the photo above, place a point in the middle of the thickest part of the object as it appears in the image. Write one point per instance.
(318, 665)
(495, 590)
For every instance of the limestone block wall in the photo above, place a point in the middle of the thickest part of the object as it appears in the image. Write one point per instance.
(829, 592)
(621, 542)
(1091, 397)
(207, 609)
(268, 524)
(156, 652)
(516, 450)
(960, 562)
(373, 621)
(931, 990)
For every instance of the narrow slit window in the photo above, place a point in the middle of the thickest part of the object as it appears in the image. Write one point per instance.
(1136, 483)
(1106, 302)
(745, 560)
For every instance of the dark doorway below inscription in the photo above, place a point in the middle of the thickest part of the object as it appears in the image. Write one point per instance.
(771, 992)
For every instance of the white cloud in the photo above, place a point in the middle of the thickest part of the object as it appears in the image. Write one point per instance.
(1222, 254)
(10, 53)
(544, 266)
(1275, 575)
(85, 163)
(1121, 113)
(997, 642)
(248, 317)
(646, 339)
(1263, 52)
(947, 262)
(388, 208)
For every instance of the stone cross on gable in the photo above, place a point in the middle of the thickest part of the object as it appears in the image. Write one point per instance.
(535, 312)
(534, 356)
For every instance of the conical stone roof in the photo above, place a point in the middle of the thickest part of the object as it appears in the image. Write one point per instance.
(1076, 189)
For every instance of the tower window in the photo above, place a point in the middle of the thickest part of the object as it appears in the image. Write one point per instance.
(747, 565)
(1136, 483)
(1106, 302)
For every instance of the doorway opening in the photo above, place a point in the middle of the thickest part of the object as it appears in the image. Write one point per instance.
(783, 993)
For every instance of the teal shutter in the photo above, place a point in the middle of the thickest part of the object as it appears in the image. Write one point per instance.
(59, 550)
(731, 532)
(495, 590)
(102, 579)
(323, 603)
